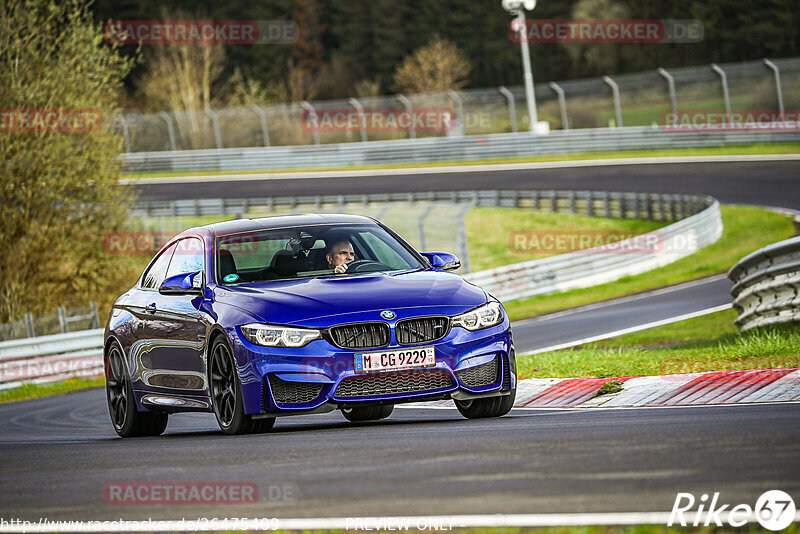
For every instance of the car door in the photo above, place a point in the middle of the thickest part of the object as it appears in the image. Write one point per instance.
(176, 330)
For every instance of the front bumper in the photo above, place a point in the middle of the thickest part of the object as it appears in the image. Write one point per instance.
(321, 377)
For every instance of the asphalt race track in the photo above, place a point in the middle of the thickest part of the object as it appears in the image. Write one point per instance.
(59, 455)
(768, 183)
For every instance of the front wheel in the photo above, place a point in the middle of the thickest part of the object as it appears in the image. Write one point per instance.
(127, 420)
(487, 407)
(226, 394)
(368, 413)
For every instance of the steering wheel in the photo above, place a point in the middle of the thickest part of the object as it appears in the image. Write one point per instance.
(356, 266)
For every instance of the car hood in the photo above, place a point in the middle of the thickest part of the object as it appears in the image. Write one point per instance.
(321, 302)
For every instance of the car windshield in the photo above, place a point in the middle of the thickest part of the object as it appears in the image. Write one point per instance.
(308, 252)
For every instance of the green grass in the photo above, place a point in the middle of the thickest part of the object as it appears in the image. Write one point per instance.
(756, 149)
(35, 391)
(707, 343)
(490, 232)
(746, 229)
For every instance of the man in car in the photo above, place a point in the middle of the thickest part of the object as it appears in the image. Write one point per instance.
(340, 254)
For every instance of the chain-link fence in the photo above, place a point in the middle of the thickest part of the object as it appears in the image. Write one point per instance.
(58, 322)
(642, 100)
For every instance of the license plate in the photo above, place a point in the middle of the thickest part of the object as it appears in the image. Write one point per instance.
(394, 360)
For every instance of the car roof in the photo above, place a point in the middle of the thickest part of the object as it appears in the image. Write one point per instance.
(265, 223)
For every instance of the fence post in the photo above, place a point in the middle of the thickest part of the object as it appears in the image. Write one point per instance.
(725, 94)
(462, 245)
(562, 104)
(125, 132)
(170, 129)
(460, 119)
(215, 123)
(615, 93)
(62, 319)
(590, 203)
(778, 88)
(96, 318)
(310, 110)
(263, 118)
(673, 99)
(29, 324)
(362, 119)
(512, 110)
(412, 134)
(421, 225)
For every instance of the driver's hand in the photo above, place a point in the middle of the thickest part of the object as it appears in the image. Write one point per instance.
(340, 269)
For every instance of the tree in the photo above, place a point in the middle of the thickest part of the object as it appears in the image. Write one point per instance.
(436, 67)
(58, 191)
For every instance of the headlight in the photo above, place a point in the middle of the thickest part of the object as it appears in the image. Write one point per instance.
(279, 336)
(490, 314)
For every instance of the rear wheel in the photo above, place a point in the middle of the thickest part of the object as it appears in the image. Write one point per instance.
(486, 407)
(226, 395)
(127, 420)
(368, 413)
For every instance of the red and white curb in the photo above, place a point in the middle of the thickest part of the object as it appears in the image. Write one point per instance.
(715, 387)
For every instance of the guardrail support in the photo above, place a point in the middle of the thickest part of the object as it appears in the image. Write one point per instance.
(29, 324)
(562, 105)
(460, 119)
(170, 129)
(725, 94)
(412, 133)
(512, 110)
(262, 115)
(362, 119)
(311, 111)
(778, 88)
(215, 123)
(673, 99)
(617, 105)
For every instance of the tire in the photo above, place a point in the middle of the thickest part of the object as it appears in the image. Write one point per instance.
(226, 394)
(368, 413)
(127, 420)
(487, 407)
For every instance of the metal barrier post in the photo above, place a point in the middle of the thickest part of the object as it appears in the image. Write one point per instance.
(412, 134)
(96, 313)
(778, 88)
(512, 110)
(215, 123)
(263, 118)
(461, 238)
(562, 104)
(460, 119)
(673, 99)
(421, 225)
(617, 105)
(310, 109)
(362, 119)
(125, 132)
(725, 94)
(170, 130)
(62, 319)
(29, 324)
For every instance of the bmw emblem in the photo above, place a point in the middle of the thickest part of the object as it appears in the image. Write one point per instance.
(388, 314)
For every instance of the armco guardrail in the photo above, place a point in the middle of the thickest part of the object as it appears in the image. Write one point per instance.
(51, 358)
(458, 148)
(766, 287)
(584, 268)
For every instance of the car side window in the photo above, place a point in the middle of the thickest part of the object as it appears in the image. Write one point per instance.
(187, 258)
(157, 271)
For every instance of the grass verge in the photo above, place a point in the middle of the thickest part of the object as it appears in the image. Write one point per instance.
(707, 343)
(745, 229)
(739, 150)
(35, 391)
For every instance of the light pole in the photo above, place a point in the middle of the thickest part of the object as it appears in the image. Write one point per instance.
(517, 8)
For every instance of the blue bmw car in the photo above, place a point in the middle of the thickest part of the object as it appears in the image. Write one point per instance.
(259, 318)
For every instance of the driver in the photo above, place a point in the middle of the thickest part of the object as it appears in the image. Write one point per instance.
(340, 254)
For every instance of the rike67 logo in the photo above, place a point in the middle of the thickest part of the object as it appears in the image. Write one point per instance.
(774, 510)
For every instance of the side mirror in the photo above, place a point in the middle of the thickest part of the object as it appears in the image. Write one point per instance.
(443, 260)
(183, 284)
